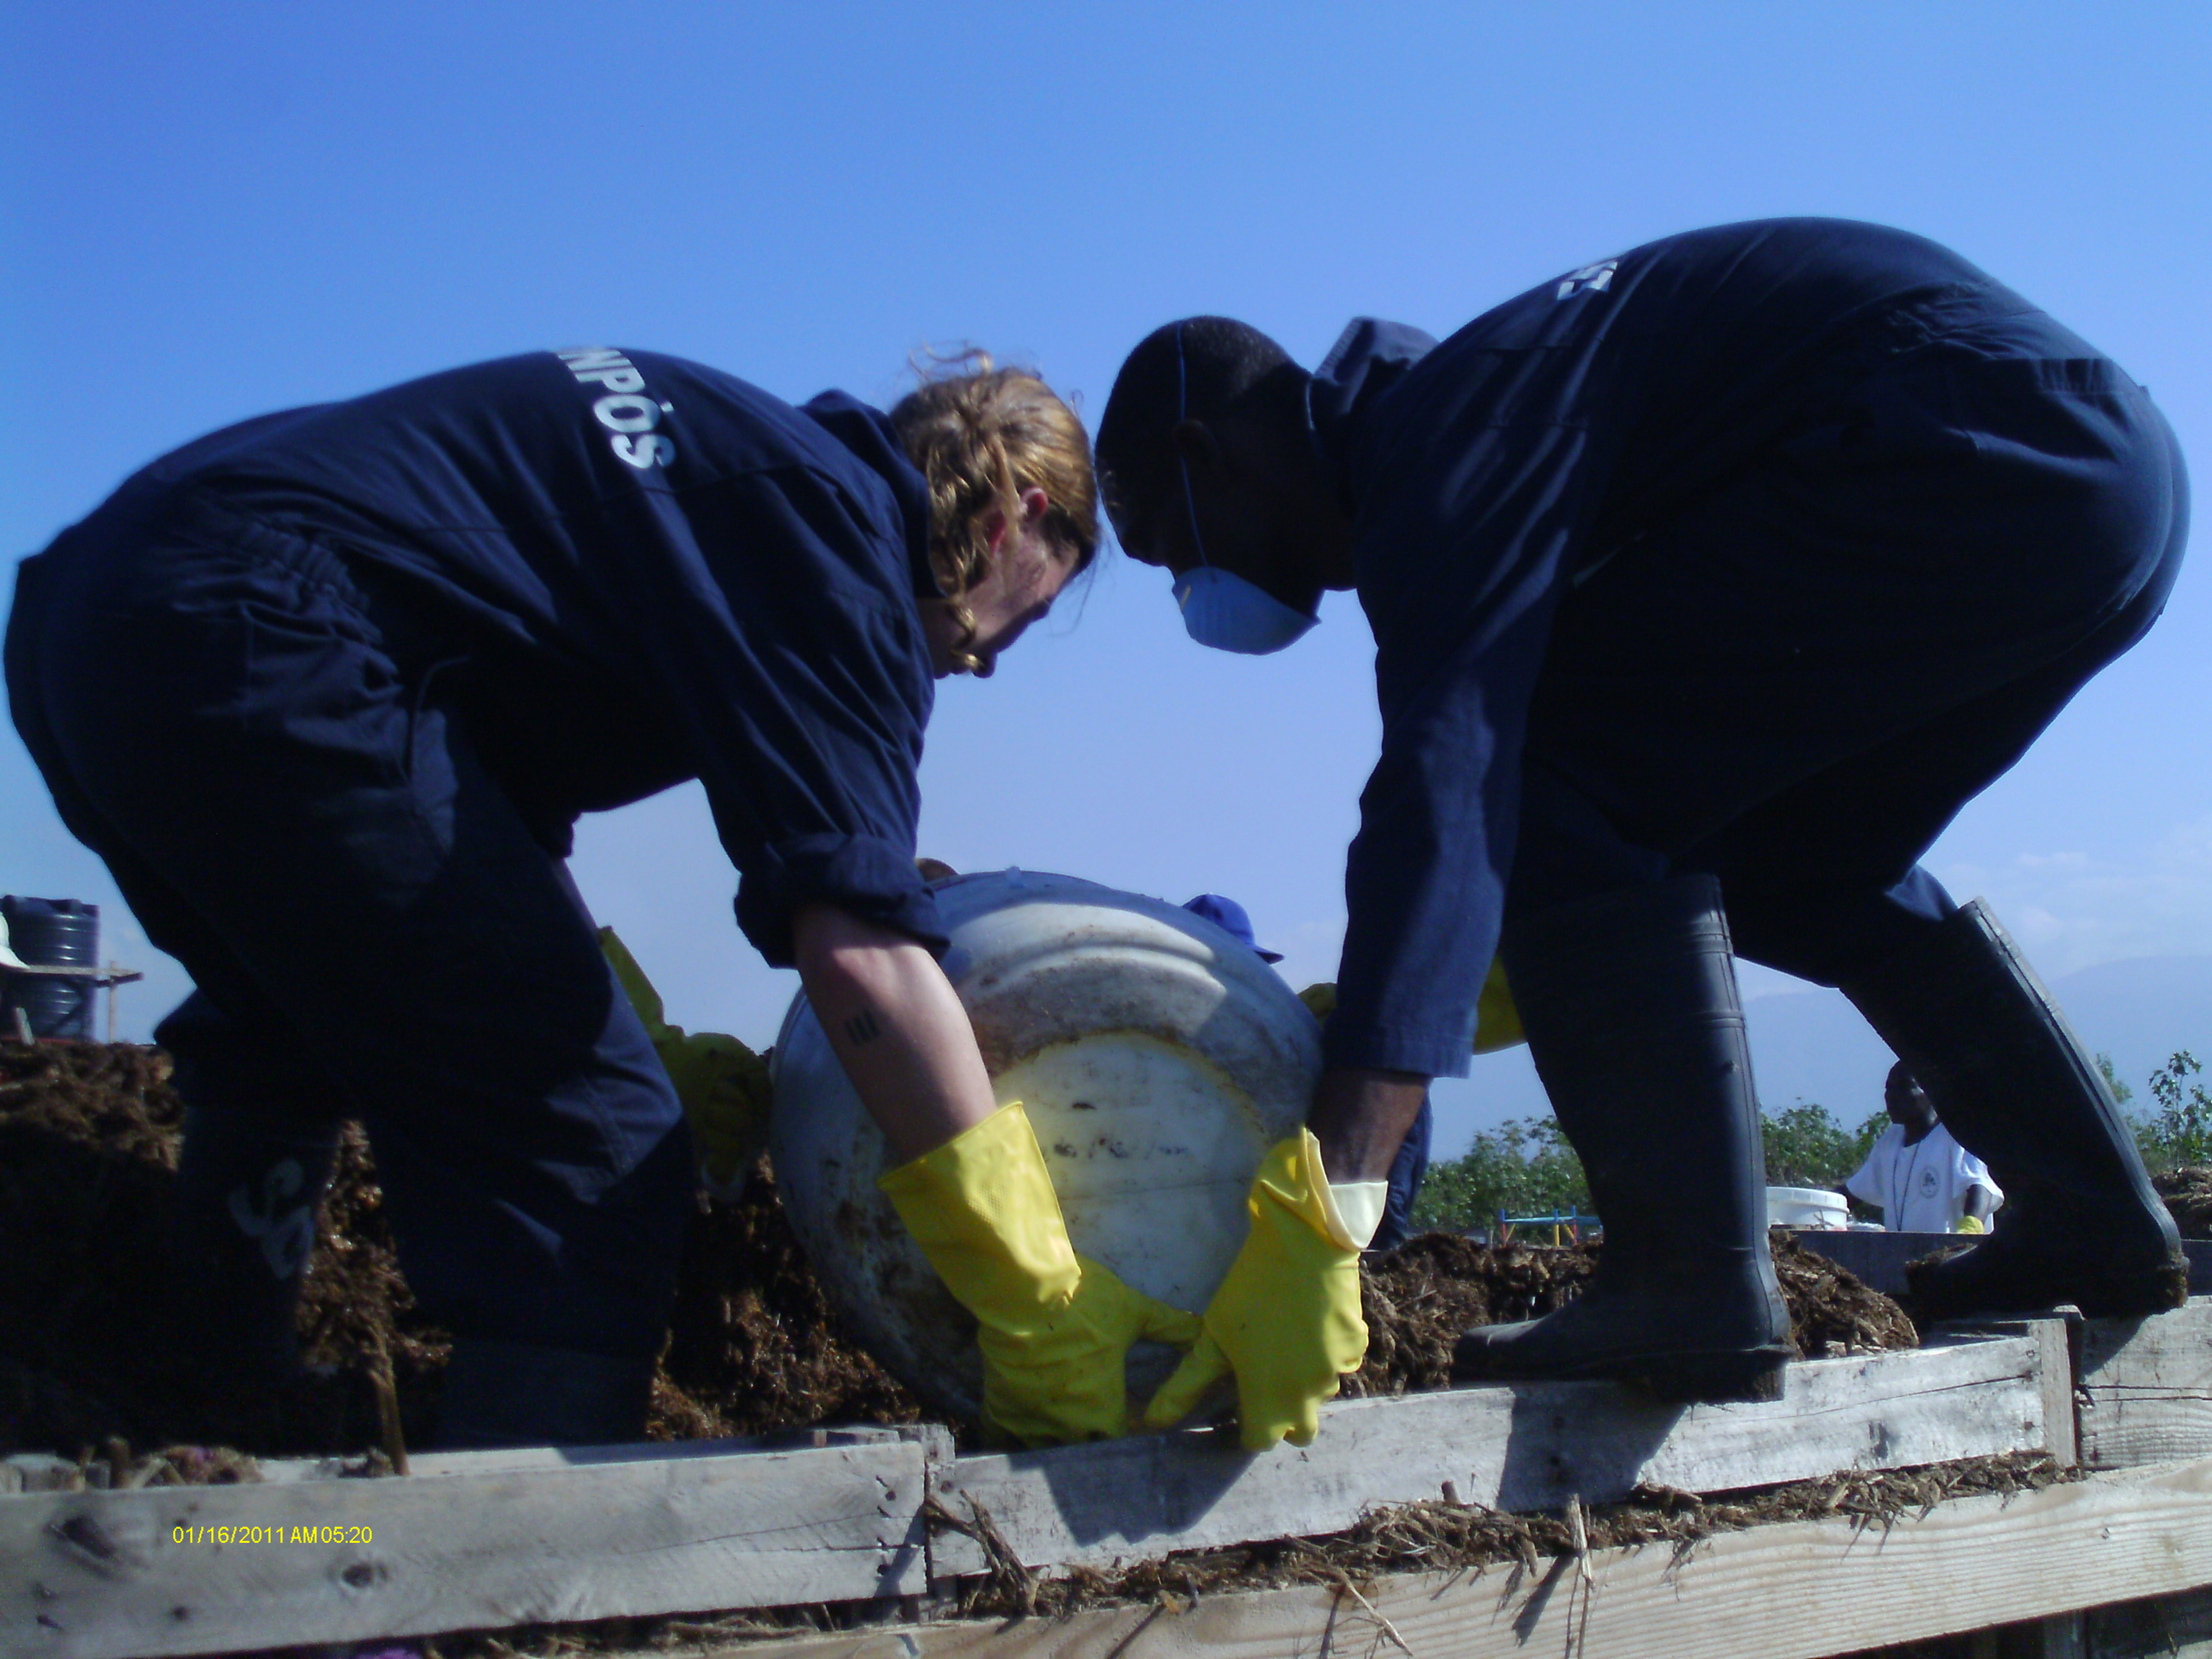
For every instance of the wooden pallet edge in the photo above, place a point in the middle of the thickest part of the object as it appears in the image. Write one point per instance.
(2144, 1387)
(194, 1569)
(1794, 1590)
(1526, 1446)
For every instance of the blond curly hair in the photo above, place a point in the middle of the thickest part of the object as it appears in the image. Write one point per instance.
(981, 436)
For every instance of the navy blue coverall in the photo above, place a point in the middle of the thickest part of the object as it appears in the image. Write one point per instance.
(328, 689)
(1756, 551)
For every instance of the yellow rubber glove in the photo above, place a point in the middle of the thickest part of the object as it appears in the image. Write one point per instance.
(1286, 1318)
(1968, 1224)
(1054, 1328)
(1497, 1021)
(722, 1084)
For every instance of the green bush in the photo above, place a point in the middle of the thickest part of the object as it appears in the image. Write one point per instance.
(1523, 1167)
(1807, 1147)
(2179, 1134)
(2121, 1092)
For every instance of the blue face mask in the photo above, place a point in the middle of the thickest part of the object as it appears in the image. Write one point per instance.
(1218, 609)
(1230, 614)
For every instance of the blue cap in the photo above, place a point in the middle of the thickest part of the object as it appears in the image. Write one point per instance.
(1228, 914)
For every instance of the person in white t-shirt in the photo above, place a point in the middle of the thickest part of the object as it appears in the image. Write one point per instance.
(1924, 1181)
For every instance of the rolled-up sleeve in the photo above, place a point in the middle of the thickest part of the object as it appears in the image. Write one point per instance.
(871, 876)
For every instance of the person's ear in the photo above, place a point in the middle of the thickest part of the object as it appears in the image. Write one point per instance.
(1035, 505)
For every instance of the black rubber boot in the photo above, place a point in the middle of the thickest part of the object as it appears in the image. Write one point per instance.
(518, 1394)
(2080, 1222)
(247, 1194)
(1630, 1003)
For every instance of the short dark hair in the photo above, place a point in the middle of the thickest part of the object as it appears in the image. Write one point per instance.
(1224, 363)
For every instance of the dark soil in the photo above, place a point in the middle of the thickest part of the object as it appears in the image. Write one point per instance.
(2188, 1193)
(754, 1347)
(90, 1355)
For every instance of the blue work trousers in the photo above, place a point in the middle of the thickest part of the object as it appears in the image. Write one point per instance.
(254, 742)
(1797, 680)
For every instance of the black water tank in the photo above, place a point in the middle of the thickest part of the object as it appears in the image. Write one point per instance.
(56, 932)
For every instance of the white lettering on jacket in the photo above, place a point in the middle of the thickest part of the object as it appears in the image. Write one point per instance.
(625, 411)
(1590, 279)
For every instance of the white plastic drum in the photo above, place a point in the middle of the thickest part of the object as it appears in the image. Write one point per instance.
(1157, 1058)
(1806, 1206)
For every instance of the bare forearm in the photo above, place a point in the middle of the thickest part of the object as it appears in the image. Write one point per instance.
(896, 1025)
(1361, 1118)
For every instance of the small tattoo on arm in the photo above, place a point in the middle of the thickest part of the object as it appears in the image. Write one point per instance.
(862, 1027)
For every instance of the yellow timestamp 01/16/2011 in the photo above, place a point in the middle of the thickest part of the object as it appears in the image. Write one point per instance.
(259, 1534)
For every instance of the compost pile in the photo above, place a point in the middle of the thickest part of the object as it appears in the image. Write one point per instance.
(91, 1352)
(1421, 1296)
(2188, 1193)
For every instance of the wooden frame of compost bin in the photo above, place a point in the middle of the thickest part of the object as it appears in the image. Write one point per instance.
(492, 1540)
(1791, 1590)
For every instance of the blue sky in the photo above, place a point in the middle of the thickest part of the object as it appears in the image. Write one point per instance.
(207, 212)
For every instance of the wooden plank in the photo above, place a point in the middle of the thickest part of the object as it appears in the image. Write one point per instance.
(42, 1471)
(1800, 1591)
(2062, 1417)
(38, 1472)
(100, 1575)
(936, 1439)
(2146, 1387)
(2060, 1336)
(1524, 1447)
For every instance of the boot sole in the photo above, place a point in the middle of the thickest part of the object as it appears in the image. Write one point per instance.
(1708, 1379)
(1675, 1378)
(2132, 1295)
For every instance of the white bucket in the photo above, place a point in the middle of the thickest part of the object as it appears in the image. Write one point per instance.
(1806, 1206)
(1157, 1058)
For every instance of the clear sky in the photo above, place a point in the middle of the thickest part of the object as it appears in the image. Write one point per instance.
(209, 212)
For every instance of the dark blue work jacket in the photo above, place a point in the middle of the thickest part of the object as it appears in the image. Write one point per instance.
(629, 571)
(1487, 474)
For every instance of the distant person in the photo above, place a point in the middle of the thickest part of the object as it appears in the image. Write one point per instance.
(1924, 1181)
